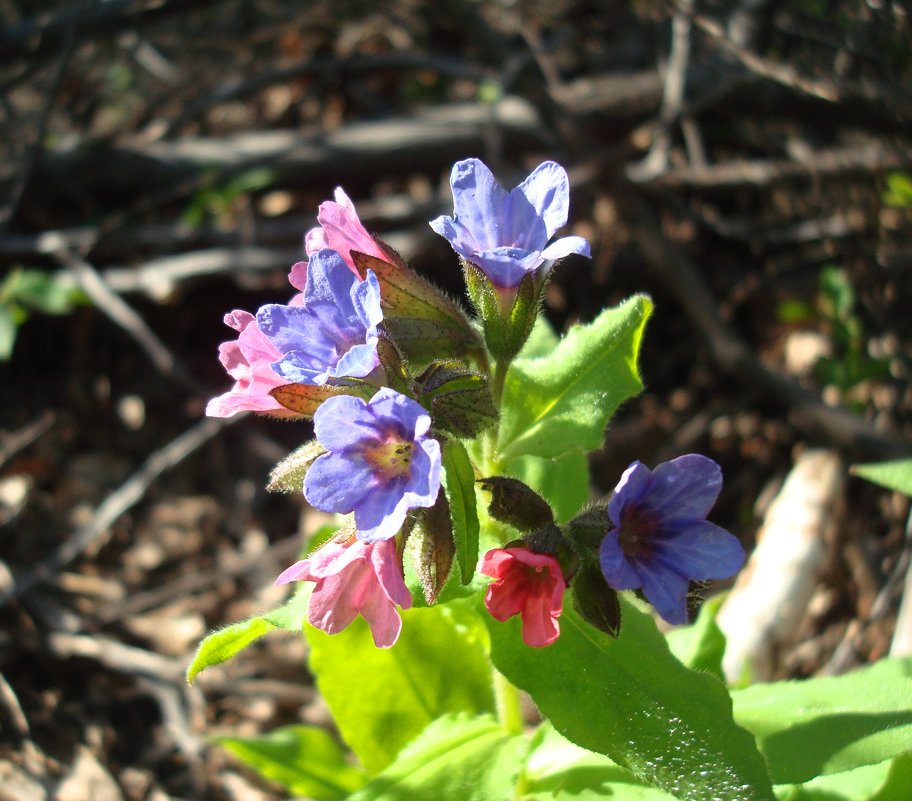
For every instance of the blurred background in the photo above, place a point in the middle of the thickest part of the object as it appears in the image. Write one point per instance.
(747, 164)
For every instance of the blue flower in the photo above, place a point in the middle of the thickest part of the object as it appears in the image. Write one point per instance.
(506, 233)
(332, 333)
(659, 539)
(380, 461)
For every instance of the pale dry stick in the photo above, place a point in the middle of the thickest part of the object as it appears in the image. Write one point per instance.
(25, 436)
(118, 310)
(885, 98)
(902, 633)
(656, 160)
(770, 597)
(121, 499)
(13, 708)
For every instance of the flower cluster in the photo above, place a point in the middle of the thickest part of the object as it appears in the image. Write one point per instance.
(393, 374)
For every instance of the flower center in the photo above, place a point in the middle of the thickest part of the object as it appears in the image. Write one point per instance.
(637, 530)
(391, 459)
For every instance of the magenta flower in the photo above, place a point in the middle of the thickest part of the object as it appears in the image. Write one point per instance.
(380, 462)
(342, 231)
(528, 584)
(333, 332)
(659, 539)
(354, 577)
(506, 233)
(248, 361)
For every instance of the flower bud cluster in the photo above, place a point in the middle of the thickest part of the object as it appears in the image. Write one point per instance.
(390, 370)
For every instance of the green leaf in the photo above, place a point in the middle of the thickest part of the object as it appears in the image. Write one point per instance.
(701, 645)
(542, 340)
(562, 482)
(831, 724)
(50, 293)
(895, 475)
(288, 475)
(222, 645)
(562, 402)
(861, 784)
(560, 769)
(630, 699)
(453, 759)
(383, 698)
(304, 759)
(7, 332)
(459, 483)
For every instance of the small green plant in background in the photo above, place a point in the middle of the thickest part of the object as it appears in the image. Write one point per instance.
(218, 202)
(898, 192)
(25, 291)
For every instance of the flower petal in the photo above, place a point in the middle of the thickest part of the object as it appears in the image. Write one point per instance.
(633, 486)
(617, 570)
(344, 421)
(547, 188)
(565, 246)
(479, 202)
(337, 483)
(665, 589)
(700, 550)
(685, 488)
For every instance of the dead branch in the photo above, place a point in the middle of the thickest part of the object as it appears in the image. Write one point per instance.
(833, 426)
(118, 502)
(874, 157)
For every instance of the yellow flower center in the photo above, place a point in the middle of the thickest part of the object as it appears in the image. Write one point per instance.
(391, 459)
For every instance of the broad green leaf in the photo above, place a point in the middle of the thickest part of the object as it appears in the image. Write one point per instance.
(383, 698)
(861, 784)
(222, 645)
(563, 401)
(541, 341)
(899, 780)
(304, 759)
(701, 645)
(459, 480)
(630, 699)
(453, 759)
(563, 482)
(895, 475)
(832, 724)
(556, 768)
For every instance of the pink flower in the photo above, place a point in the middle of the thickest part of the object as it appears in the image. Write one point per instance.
(342, 231)
(248, 361)
(353, 576)
(528, 584)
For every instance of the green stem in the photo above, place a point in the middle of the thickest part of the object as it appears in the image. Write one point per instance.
(506, 696)
(500, 378)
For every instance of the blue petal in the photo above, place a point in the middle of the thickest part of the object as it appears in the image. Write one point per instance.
(699, 551)
(480, 203)
(424, 480)
(547, 188)
(337, 482)
(329, 278)
(506, 267)
(358, 362)
(524, 227)
(617, 571)
(408, 416)
(664, 589)
(456, 234)
(635, 483)
(345, 421)
(381, 512)
(685, 488)
(565, 246)
(365, 297)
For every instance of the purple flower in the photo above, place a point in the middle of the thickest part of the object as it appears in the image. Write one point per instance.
(380, 461)
(659, 539)
(332, 333)
(506, 233)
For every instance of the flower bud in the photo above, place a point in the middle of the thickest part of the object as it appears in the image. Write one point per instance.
(517, 505)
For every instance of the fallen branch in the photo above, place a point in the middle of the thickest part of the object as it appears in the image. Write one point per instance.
(830, 425)
(118, 502)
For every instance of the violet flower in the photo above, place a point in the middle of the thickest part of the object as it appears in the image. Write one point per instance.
(380, 461)
(529, 584)
(342, 231)
(506, 233)
(659, 539)
(354, 577)
(333, 332)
